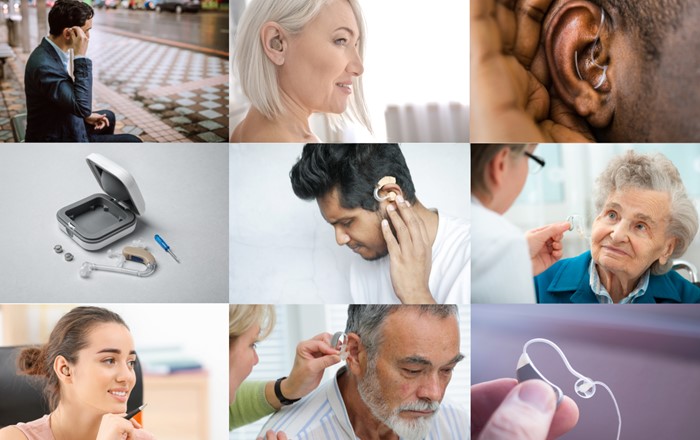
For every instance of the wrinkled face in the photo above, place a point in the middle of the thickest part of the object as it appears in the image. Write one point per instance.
(242, 359)
(357, 228)
(629, 234)
(406, 381)
(322, 60)
(103, 376)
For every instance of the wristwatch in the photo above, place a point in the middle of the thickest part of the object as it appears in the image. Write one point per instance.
(278, 393)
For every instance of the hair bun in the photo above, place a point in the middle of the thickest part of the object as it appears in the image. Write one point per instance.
(30, 361)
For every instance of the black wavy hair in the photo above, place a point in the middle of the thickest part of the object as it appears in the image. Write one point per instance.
(354, 169)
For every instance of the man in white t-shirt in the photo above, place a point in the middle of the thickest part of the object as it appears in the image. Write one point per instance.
(365, 191)
(399, 364)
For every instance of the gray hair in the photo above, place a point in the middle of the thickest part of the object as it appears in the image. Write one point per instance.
(367, 321)
(657, 173)
(258, 75)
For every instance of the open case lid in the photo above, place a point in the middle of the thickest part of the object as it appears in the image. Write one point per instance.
(117, 182)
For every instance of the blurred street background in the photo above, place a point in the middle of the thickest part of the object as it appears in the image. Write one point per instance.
(160, 65)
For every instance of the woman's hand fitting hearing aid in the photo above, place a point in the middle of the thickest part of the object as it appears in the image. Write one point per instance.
(505, 410)
(410, 253)
(511, 98)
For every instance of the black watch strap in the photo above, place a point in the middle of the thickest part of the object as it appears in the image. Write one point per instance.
(278, 392)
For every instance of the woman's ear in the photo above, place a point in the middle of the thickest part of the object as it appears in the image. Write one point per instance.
(578, 51)
(669, 247)
(62, 369)
(356, 360)
(274, 42)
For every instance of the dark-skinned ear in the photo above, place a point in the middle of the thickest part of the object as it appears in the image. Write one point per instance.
(356, 359)
(274, 42)
(577, 47)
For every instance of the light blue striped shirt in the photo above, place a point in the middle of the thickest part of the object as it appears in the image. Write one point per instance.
(322, 416)
(604, 297)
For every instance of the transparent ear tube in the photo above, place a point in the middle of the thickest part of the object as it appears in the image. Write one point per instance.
(584, 387)
(576, 224)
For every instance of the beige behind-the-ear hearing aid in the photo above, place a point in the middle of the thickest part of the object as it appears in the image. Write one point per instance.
(391, 196)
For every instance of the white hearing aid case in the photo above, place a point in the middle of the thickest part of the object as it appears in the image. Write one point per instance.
(101, 219)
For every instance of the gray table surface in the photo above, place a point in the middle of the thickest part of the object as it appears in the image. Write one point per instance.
(185, 188)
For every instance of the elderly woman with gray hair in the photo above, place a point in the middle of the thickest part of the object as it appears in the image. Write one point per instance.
(645, 220)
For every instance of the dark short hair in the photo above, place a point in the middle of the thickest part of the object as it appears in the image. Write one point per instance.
(354, 169)
(68, 13)
(650, 20)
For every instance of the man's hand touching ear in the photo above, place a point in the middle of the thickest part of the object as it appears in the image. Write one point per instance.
(511, 100)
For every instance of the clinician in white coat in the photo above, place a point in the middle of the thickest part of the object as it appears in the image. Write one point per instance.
(504, 259)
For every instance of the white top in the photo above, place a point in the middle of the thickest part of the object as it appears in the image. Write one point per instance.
(502, 269)
(370, 281)
(322, 416)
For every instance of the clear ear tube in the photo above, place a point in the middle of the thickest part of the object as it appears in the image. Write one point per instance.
(88, 267)
(576, 224)
(584, 387)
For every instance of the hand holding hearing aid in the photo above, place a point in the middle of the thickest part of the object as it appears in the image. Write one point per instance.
(505, 410)
(312, 359)
(545, 245)
(510, 79)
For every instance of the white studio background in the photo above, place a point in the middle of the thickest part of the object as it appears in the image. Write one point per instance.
(198, 331)
(281, 249)
(417, 53)
(296, 323)
(565, 186)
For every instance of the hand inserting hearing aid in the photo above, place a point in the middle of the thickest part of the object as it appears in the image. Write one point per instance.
(342, 338)
(386, 180)
(584, 386)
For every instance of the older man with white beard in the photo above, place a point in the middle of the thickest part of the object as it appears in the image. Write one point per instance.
(400, 361)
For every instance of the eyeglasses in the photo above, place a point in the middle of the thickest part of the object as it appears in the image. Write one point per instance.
(540, 163)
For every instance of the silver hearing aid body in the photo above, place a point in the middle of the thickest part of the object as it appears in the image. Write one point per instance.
(342, 339)
(391, 196)
(595, 41)
(584, 387)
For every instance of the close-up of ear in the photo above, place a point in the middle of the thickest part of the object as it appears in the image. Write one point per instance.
(577, 47)
(62, 369)
(355, 352)
(274, 42)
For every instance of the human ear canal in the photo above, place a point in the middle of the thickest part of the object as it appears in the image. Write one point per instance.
(578, 57)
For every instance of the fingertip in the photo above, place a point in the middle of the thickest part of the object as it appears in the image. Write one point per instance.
(385, 222)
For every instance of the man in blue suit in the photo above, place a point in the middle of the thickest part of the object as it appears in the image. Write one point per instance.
(58, 83)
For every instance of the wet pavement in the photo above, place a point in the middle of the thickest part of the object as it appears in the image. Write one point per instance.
(158, 92)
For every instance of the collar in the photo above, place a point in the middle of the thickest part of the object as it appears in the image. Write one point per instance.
(61, 54)
(603, 295)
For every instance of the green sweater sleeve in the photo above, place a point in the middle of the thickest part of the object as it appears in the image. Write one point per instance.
(250, 405)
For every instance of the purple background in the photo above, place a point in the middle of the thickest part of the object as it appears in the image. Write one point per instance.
(649, 356)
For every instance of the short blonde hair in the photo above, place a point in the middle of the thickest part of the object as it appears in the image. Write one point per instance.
(241, 317)
(258, 75)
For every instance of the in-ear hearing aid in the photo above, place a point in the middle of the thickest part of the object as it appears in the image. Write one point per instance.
(342, 339)
(64, 371)
(584, 387)
(276, 44)
(391, 196)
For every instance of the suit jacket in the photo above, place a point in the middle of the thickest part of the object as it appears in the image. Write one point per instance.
(568, 281)
(56, 104)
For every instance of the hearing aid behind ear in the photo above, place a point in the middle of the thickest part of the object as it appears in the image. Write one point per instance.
(391, 196)
(584, 387)
(342, 339)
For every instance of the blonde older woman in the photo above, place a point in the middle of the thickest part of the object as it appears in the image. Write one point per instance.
(645, 220)
(248, 324)
(295, 58)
